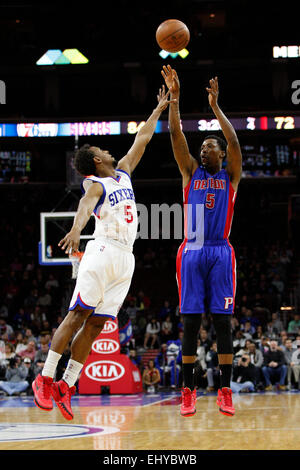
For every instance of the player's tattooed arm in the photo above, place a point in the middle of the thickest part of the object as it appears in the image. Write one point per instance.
(144, 135)
(186, 163)
(70, 242)
(234, 156)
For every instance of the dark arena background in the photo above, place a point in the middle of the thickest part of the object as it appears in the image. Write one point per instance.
(71, 76)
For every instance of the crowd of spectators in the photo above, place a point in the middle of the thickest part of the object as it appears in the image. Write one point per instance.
(34, 300)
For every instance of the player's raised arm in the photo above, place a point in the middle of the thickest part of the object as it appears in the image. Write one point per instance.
(234, 156)
(186, 163)
(144, 135)
(87, 203)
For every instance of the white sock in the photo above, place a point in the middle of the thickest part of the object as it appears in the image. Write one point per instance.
(51, 364)
(72, 372)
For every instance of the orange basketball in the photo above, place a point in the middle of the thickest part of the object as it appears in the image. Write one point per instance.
(172, 35)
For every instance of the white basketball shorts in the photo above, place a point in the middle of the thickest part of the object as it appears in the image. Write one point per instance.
(104, 277)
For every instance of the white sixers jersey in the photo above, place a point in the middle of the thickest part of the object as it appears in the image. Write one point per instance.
(115, 213)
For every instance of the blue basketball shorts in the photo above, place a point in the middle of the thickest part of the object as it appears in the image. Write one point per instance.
(206, 277)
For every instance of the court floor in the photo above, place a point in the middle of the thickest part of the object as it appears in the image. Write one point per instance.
(263, 421)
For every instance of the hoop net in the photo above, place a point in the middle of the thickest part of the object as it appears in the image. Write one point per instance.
(75, 260)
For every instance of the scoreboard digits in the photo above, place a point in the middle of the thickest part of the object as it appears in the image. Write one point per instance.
(284, 122)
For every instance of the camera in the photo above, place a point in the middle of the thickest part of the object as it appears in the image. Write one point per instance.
(244, 359)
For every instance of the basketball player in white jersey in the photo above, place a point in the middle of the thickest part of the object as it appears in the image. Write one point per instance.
(107, 266)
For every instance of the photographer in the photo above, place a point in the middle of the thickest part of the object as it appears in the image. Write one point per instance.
(244, 376)
(15, 376)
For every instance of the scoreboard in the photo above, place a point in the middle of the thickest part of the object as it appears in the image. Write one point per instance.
(95, 128)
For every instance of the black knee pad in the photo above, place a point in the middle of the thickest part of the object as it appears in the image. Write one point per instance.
(222, 325)
(191, 326)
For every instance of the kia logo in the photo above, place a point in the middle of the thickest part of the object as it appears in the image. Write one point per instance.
(105, 346)
(109, 327)
(105, 371)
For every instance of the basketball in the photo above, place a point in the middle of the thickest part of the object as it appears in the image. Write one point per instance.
(172, 35)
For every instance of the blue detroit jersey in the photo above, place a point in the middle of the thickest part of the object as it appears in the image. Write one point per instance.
(205, 264)
(208, 202)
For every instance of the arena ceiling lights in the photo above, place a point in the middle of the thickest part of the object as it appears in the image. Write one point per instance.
(183, 54)
(57, 57)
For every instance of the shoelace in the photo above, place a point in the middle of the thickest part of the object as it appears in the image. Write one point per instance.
(227, 398)
(46, 391)
(187, 398)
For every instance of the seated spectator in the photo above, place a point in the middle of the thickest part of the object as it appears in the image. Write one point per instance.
(274, 327)
(295, 365)
(200, 366)
(274, 367)
(174, 359)
(180, 324)
(296, 343)
(278, 284)
(135, 359)
(166, 329)
(29, 335)
(30, 374)
(248, 330)
(204, 339)
(52, 282)
(255, 354)
(165, 311)
(160, 362)
(294, 324)
(243, 376)
(244, 350)
(6, 331)
(238, 340)
(152, 331)
(213, 370)
(257, 359)
(151, 377)
(16, 374)
(288, 351)
(30, 351)
(21, 342)
(142, 301)
(5, 357)
(258, 333)
(40, 358)
(247, 316)
(282, 338)
(264, 344)
(235, 326)
(20, 319)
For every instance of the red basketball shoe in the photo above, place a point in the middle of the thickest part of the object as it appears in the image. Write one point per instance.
(41, 387)
(188, 401)
(62, 395)
(224, 401)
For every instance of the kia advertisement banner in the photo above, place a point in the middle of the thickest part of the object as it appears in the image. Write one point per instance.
(106, 367)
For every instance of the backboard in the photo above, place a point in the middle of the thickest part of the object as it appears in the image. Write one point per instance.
(53, 227)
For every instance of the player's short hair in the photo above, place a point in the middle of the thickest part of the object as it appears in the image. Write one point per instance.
(221, 142)
(84, 161)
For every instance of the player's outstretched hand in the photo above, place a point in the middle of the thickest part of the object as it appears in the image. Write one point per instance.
(162, 99)
(171, 79)
(70, 242)
(213, 92)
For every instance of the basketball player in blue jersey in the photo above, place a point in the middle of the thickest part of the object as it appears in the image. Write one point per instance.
(205, 265)
(107, 266)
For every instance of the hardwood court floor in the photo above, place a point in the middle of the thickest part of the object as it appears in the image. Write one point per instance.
(265, 421)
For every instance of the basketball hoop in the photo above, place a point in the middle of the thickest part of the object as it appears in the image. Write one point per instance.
(75, 260)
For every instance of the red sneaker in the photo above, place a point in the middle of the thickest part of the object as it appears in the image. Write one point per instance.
(41, 387)
(188, 401)
(224, 401)
(62, 395)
